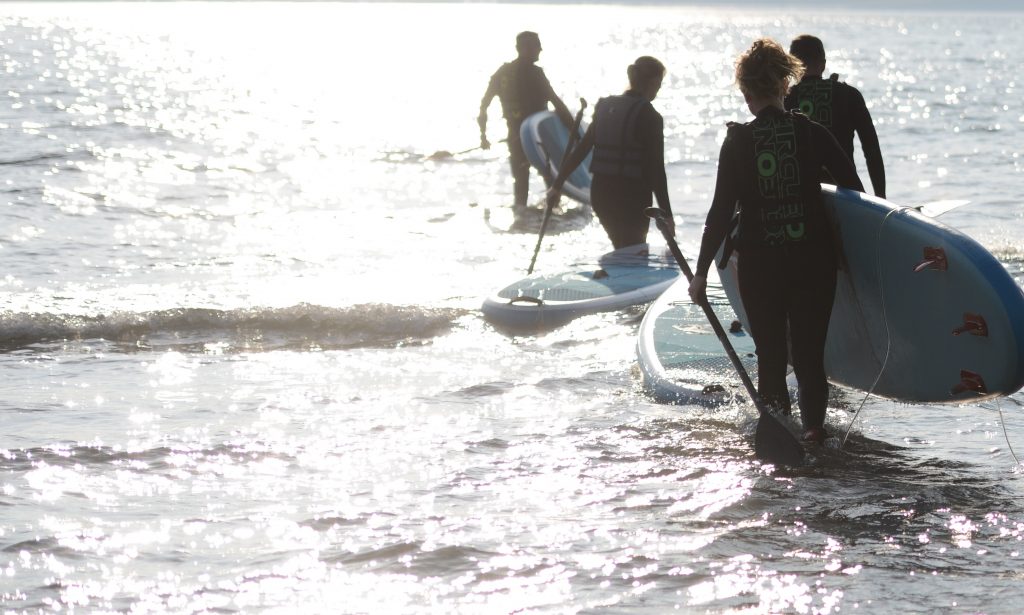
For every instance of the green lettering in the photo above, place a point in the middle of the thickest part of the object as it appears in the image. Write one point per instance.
(767, 164)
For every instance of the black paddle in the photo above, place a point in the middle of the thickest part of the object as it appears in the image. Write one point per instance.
(573, 136)
(772, 441)
(441, 154)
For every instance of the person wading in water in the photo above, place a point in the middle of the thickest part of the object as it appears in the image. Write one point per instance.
(768, 169)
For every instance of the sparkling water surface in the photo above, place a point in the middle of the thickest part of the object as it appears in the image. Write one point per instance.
(245, 370)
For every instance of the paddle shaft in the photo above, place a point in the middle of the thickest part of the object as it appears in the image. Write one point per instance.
(573, 136)
(715, 323)
(443, 153)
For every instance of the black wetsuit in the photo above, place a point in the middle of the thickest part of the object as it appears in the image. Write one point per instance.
(523, 89)
(840, 107)
(628, 166)
(768, 169)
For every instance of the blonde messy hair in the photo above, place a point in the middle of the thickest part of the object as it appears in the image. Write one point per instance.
(766, 70)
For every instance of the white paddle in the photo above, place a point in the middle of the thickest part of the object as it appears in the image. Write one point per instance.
(937, 208)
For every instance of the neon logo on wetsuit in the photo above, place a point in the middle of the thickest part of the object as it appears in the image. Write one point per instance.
(778, 181)
(816, 100)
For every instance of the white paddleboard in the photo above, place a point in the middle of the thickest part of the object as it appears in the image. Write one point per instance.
(628, 276)
(545, 138)
(920, 307)
(682, 360)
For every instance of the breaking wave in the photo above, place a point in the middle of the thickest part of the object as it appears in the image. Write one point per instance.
(303, 325)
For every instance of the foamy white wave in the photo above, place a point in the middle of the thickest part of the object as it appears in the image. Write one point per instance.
(359, 325)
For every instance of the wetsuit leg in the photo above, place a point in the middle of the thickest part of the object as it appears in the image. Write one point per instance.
(619, 205)
(520, 166)
(763, 291)
(810, 308)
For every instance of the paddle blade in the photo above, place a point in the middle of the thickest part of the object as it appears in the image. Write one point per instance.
(937, 208)
(776, 444)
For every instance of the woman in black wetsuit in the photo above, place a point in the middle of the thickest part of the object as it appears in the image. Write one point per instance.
(629, 157)
(768, 169)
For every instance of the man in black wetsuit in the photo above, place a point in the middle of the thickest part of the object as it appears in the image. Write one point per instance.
(628, 141)
(835, 105)
(523, 89)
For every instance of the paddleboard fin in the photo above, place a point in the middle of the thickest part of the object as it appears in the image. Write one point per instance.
(970, 381)
(974, 324)
(934, 258)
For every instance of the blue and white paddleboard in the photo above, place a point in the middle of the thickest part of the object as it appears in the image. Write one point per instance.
(545, 138)
(682, 360)
(920, 307)
(628, 276)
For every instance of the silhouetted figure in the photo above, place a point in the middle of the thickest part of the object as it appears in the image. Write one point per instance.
(835, 105)
(768, 169)
(523, 89)
(628, 166)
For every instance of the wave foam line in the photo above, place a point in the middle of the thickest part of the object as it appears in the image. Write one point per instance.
(353, 326)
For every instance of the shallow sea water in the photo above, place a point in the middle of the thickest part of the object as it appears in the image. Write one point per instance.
(245, 370)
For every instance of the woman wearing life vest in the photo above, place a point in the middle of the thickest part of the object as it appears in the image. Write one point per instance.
(768, 170)
(628, 165)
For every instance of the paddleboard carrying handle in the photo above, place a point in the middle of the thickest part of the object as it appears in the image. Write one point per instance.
(526, 299)
(934, 258)
(974, 324)
(970, 381)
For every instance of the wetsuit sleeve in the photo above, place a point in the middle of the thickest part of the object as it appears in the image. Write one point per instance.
(723, 205)
(654, 158)
(485, 102)
(868, 142)
(835, 159)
